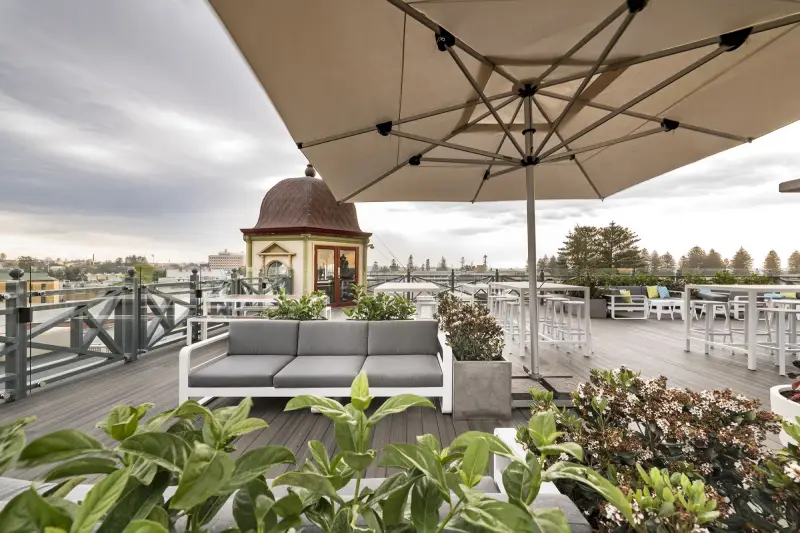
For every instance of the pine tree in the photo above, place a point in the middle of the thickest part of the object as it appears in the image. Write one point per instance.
(541, 264)
(375, 267)
(616, 247)
(552, 263)
(579, 252)
(463, 262)
(713, 260)
(485, 263)
(794, 262)
(742, 261)
(394, 267)
(428, 265)
(695, 258)
(442, 264)
(644, 260)
(772, 264)
(410, 265)
(668, 262)
(655, 262)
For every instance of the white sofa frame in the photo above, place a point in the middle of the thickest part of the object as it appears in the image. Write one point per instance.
(638, 304)
(445, 392)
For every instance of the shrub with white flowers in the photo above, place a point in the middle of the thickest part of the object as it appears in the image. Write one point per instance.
(472, 333)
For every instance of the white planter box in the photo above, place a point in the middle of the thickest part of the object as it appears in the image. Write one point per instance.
(783, 406)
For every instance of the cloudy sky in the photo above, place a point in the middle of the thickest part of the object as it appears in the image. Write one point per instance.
(136, 127)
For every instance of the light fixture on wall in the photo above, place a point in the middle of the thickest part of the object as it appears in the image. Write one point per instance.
(790, 186)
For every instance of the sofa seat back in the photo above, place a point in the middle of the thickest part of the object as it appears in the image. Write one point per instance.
(403, 337)
(263, 337)
(332, 337)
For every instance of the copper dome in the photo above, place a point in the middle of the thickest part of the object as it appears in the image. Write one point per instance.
(305, 205)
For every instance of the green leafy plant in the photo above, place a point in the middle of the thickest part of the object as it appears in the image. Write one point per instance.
(472, 332)
(783, 481)
(191, 454)
(308, 307)
(380, 307)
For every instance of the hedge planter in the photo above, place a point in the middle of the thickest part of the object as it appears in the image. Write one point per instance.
(781, 405)
(598, 307)
(482, 389)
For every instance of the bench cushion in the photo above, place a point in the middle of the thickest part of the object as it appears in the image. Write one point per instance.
(262, 337)
(332, 337)
(240, 371)
(315, 371)
(403, 371)
(403, 337)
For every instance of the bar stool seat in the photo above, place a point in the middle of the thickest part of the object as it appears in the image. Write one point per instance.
(708, 309)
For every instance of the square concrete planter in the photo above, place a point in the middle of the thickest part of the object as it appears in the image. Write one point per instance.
(788, 409)
(597, 307)
(482, 389)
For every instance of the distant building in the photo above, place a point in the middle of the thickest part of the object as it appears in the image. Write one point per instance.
(37, 281)
(225, 260)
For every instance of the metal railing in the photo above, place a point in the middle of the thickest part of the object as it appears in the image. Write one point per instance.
(78, 330)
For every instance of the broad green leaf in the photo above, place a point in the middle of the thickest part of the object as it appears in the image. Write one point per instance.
(144, 470)
(330, 408)
(12, 442)
(256, 462)
(159, 515)
(243, 427)
(289, 505)
(320, 455)
(230, 416)
(99, 500)
(49, 529)
(497, 516)
(289, 523)
(569, 448)
(136, 502)
(186, 430)
(209, 509)
(62, 489)
(190, 409)
(166, 450)
(550, 520)
(392, 484)
(410, 456)
(593, 480)
(393, 502)
(58, 446)
(354, 436)
(244, 512)
(542, 428)
(371, 519)
(315, 483)
(518, 481)
(155, 423)
(143, 408)
(320, 513)
(263, 505)
(358, 461)
(81, 466)
(496, 445)
(426, 499)
(430, 442)
(145, 526)
(360, 386)
(121, 422)
(14, 427)
(205, 472)
(341, 521)
(474, 463)
(398, 404)
(28, 512)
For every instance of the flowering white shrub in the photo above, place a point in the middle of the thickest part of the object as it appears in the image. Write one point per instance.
(472, 333)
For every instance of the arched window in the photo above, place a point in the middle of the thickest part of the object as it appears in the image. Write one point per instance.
(276, 268)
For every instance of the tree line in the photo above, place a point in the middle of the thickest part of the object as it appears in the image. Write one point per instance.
(425, 266)
(587, 248)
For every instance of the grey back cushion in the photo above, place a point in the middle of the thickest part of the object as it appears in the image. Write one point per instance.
(262, 337)
(403, 337)
(332, 337)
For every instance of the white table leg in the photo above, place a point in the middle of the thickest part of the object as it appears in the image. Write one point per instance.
(687, 322)
(751, 326)
(587, 326)
(781, 343)
(189, 323)
(521, 326)
(709, 325)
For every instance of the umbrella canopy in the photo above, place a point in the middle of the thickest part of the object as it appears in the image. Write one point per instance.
(469, 100)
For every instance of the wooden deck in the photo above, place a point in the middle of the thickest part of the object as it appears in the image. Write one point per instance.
(652, 347)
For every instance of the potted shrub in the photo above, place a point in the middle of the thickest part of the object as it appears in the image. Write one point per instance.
(308, 307)
(477, 342)
(785, 401)
(379, 307)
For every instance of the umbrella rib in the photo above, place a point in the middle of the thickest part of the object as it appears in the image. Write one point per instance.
(504, 171)
(499, 147)
(434, 27)
(452, 146)
(643, 96)
(607, 50)
(481, 162)
(611, 142)
(688, 47)
(561, 139)
(424, 151)
(580, 44)
(412, 118)
(651, 118)
(486, 102)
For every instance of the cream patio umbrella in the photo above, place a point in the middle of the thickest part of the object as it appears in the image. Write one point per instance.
(496, 100)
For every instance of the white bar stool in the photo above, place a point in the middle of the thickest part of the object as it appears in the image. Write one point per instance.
(426, 306)
(708, 309)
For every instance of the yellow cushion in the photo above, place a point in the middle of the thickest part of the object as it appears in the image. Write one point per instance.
(652, 292)
(789, 294)
(627, 293)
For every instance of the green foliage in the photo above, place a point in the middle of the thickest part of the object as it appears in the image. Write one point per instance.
(307, 307)
(588, 247)
(472, 332)
(380, 307)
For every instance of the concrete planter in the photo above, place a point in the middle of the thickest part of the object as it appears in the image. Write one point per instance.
(598, 307)
(482, 389)
(780, 405)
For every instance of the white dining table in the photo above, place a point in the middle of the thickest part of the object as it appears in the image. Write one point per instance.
(750, 317)
(474, 288)
(522, 288)
(239, 299)
(415, 288)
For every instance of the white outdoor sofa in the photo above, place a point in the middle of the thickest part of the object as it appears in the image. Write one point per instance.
(286, 358)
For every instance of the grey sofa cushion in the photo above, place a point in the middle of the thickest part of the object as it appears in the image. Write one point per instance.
(240, 371)
(262, 337)
(403, 337)
(332, 337)
(320, 371)
(403, 371)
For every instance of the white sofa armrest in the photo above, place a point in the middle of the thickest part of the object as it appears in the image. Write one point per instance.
(184, 364)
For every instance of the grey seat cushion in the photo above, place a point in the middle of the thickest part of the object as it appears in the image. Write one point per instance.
(403, 337)
(320, 371)
(403, 371)
(240, 371)
(262, 337)
(332, 337)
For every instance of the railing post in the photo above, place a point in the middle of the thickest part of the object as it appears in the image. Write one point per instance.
(497, 275)
(124, 312)
(17, 325)
(196, 301)
(139, 319)
(408, 275)
(453, 280)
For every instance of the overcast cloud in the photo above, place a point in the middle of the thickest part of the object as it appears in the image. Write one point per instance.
(136, 127)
